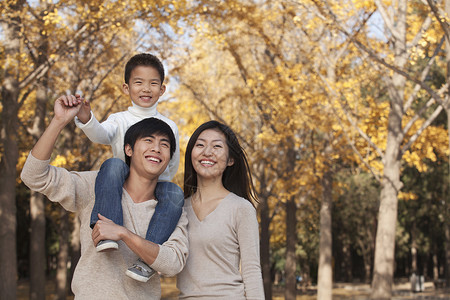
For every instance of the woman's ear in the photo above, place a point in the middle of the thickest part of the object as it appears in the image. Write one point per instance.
(230, 162)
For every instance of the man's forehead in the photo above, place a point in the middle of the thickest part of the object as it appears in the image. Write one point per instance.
(156, 135)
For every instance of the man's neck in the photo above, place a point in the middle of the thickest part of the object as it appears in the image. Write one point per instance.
(139, 188)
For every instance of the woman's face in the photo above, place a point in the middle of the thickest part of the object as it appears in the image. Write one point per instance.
(210, 155)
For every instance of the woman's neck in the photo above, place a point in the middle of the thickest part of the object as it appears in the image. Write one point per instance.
(210, 190)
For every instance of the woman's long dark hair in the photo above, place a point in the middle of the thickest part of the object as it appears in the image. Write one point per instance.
(236, 178)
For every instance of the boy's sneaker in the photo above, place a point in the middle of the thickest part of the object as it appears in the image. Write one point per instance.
(140, 271)
(107, 245)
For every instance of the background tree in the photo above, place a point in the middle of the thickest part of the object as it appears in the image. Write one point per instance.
(403, 120)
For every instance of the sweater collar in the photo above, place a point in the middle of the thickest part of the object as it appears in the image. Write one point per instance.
(143, 112)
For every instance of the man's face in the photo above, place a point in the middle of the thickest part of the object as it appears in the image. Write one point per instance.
(145, 86)
(150, 155)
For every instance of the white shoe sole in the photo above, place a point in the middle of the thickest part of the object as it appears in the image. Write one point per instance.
(137, 277)
(105, 247)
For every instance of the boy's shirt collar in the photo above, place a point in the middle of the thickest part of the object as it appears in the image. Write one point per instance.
(144, 112)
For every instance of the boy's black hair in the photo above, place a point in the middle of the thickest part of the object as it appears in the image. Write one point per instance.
(143, 59)
(146, 128)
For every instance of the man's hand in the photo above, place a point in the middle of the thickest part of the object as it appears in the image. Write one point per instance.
(67, 107)
(105, 229)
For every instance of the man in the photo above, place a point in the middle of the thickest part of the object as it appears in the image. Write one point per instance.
(148, 148)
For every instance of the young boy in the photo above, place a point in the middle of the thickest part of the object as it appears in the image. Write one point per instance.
(144, 84)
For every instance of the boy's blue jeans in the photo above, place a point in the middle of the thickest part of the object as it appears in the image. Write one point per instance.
(108, 201)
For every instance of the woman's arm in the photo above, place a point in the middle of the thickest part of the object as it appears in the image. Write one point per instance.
(248, 238)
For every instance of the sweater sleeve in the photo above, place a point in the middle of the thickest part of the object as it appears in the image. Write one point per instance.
(175, 160)
(248, 236)
(73, 190)
(173, 253)
(102, 133)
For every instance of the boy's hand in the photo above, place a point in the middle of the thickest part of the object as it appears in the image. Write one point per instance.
(84, 115)
(66, 108)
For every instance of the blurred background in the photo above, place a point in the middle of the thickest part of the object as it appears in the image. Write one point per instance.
(342, 107)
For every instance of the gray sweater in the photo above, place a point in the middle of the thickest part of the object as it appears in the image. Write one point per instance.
(102, 275)
(224, 260)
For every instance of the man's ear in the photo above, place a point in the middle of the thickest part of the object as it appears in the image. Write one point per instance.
(126, 89)
(128, 150)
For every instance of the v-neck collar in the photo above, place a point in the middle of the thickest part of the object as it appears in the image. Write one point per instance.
(211, 213)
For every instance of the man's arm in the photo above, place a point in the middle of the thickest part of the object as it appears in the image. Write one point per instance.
(105, 229)
(71, 189)
(64, 113)
(168, 258)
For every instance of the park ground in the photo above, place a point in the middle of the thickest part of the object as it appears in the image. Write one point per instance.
(341, 291)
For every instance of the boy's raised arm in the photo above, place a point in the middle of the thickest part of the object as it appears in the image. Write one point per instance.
(64, 113)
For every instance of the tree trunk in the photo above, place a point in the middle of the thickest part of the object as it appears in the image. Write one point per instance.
(413, 249)
(75, 248)
(447, 201)
(8, 222)
(37, 246)
(37, 204)
(435, 264)
(290, 292)
(390, 184)
(9, 123)
(265, 247)
(325, 272)
(387, 215)
(63, 256)
(385, 240)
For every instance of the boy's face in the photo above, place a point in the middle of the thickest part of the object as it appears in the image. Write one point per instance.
(145, 86)
(150, 155)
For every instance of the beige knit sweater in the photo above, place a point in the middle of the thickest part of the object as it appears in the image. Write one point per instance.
(224, 261)
(102, 275)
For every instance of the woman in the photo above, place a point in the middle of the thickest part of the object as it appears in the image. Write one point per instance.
(223, 260)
